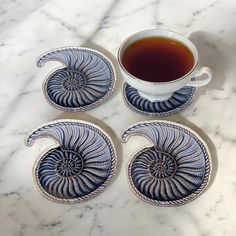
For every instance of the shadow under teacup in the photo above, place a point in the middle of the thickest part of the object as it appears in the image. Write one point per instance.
(160, 62)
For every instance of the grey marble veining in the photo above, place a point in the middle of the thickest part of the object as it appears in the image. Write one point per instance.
(29, 28)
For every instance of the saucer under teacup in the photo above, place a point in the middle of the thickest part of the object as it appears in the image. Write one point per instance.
(85, 81)
(179, 101)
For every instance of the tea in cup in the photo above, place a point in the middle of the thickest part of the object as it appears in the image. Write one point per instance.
(159, 62)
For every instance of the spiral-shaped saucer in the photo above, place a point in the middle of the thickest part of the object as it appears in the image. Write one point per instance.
(172, 172)
(179, 101)
(80, 167)
(87, 80)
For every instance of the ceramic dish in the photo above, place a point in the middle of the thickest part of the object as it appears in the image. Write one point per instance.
(77, 169)
(172, 172)
(179, 101)
(86, 80)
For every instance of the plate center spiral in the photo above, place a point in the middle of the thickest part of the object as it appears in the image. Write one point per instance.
(75, 81)
(163, 165)
(71, 165)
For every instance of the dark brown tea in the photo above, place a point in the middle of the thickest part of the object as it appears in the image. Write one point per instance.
(158, 59)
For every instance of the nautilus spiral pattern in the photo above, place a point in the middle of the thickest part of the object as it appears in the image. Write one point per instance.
(87, 80)
(80, 167)
(172, 172)
(179, 101)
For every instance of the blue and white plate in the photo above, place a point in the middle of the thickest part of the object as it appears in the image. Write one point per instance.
(79, 167)
(86, 80)
(172, 172)
(179, 101)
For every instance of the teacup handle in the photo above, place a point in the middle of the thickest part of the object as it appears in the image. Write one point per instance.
(196, 81)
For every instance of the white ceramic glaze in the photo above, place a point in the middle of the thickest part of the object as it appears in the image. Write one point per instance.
(161, 91)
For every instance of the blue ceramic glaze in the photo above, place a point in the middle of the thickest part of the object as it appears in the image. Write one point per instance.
(80, 167)
(85, 82)
(175, 170)
(179, 101)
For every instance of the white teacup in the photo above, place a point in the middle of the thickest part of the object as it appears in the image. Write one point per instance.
(160, 91)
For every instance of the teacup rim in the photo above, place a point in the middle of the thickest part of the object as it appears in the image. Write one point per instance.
(157, 30)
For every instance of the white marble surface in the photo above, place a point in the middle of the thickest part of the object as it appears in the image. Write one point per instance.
(30, 27)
